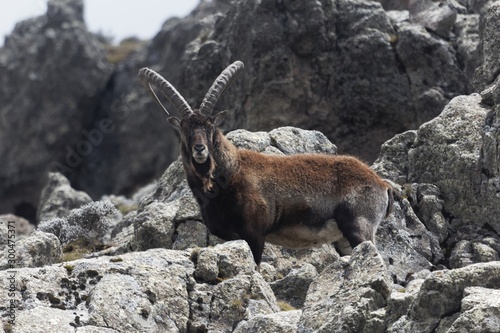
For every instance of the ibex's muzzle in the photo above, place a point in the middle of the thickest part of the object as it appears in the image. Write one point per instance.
(199, 151)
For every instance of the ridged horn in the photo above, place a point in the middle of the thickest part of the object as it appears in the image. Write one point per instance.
(220, 84)
(149, 77)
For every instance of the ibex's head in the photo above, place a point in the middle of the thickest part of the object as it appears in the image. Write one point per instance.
(196, 127)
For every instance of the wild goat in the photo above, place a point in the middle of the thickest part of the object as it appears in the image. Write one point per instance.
(296, 201)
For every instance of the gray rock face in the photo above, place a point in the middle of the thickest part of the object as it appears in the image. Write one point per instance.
(293, 287)
(348, 68)
(480, 311)
(442, 295)
(456, 152)
(51, 67)
(346, 63)
(37, 250)
(349, 295)
(58, 198)
(489, 47)
(153, 291)
(281, 322)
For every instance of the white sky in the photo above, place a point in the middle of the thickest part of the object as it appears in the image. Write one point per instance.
(117, 18)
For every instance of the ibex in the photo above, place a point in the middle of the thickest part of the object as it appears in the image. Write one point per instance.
(296, 201)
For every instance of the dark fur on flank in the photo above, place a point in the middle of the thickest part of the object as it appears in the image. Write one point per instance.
(296, 201)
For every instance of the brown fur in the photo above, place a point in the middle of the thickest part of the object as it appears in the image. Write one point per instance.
(293, 200)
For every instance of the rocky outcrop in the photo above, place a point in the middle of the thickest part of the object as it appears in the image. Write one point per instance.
(116, 294)
(435, 264)
(359, 71)
(52, 74)
(349, 295)
(58, 198)
(216, 288)
(458, 207)
(447, 298)
(348, 63)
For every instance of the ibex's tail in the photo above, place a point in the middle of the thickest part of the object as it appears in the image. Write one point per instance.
(390, 201)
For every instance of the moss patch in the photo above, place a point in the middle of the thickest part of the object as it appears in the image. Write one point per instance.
(81, 247)
(285, 306)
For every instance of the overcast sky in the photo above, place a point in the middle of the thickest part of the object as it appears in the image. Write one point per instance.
(118, 18)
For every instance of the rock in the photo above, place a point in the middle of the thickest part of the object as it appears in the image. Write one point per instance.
(54, 66)
(349, 295)
(237, 299)
(461, 145)
(479, 311)
(154, 226)
(91, 221)
(468, 39)
(430, 89)
(234, 291)
(461, 255)
(466, 252)
(291, 140)
(224, 261)
(401, 299)
(346, 85)
(453, 142)
(58, 198)
(436, 17)
(489, 47)
(281, 261)
(44, 319)
(393, 160)
(281, 322)
(37, 250)
(21, 227)
(405, 243)
(441, 295)
(430, 211)
(293, 288)
(190, 234)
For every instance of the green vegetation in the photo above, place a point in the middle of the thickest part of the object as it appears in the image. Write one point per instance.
(125, 209)
(79, 248)
(7, 327)
(285, 306)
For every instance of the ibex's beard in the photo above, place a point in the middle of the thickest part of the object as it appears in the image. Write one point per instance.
(204, 170)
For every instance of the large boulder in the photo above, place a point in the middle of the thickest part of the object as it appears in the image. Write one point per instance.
(153, 291)
(37, 250)
(58, 198)
(349, 295)
(445, 300)
(456, 153)
(52, 74)
(346, 62)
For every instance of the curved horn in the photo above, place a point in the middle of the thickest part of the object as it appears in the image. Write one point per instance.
(149, 77)
(219, 85)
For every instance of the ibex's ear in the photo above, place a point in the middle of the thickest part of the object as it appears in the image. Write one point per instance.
(219, 118)
(174, 122)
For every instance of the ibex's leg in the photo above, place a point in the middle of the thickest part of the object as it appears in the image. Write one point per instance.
(256, 243)
(356, 229)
